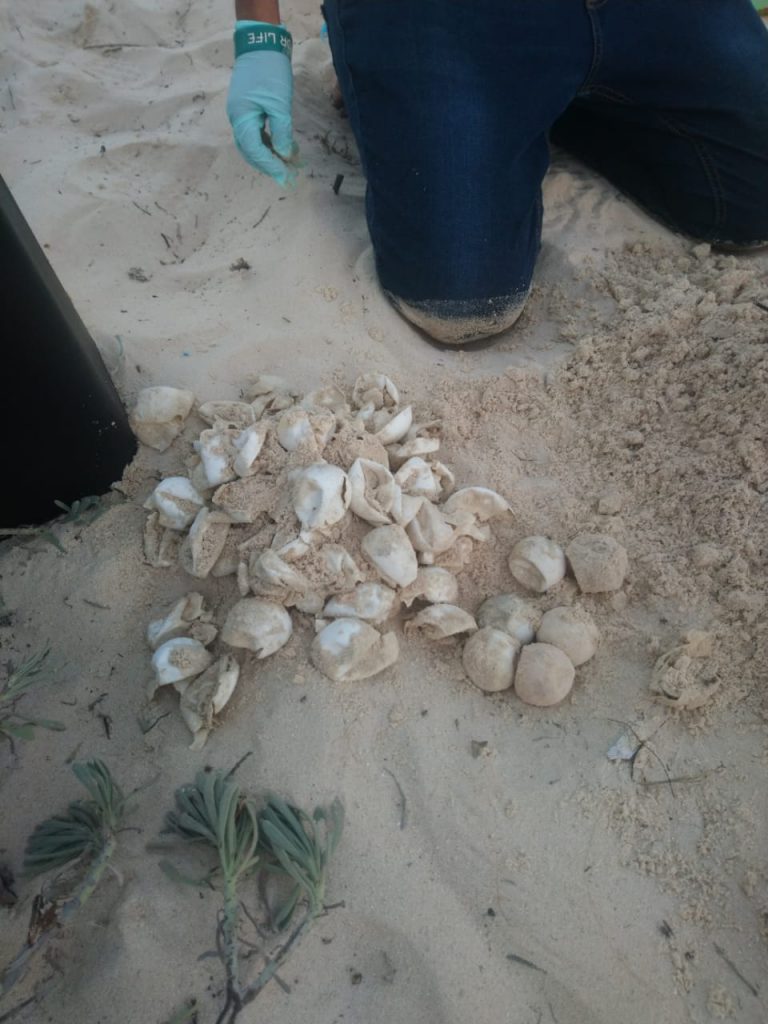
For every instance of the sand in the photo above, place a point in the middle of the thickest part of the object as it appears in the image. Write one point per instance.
(630, 399)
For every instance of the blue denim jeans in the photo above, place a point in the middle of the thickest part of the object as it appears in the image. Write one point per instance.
(453, 104)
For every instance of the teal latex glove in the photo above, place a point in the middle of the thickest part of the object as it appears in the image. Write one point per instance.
(261, 91)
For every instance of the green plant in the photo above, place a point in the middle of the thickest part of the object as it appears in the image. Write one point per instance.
(13, 725)
(85, 833)
(281, 839)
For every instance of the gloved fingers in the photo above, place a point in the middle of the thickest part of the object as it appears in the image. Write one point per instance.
(247, 132)
(281, 129)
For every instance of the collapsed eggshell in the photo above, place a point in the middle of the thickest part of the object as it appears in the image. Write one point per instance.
(229, 414)
(205, 542)
(544, 675)
(392, 425)
(372, 602)
(216, 448)
(439, 621)
(512, 614)
(417, 478)
(573, 630)
(206, 696)
(537, 562)
(248, 445)
(160, 544)
(489, 658)
(320, 494)
(176, 501)
(373, 491)
(599, 562)
(376, 390)
(480, 502)
(682, 678)
(349, 649)
(428, 531)
(158, 416)
(438, 586)
(259, 626)
(178, 660)
(175, 620)
(391, 553)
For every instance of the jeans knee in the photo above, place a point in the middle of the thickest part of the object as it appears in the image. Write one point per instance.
(460, 321)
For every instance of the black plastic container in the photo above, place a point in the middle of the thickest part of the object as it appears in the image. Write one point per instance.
(65, 432)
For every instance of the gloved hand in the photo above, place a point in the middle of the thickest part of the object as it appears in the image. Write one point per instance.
(261, 89)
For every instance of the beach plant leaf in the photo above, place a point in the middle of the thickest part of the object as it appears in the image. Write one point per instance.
(214, 812)
(85, 832)
(15, 726)
(300, 847)
(86, 826)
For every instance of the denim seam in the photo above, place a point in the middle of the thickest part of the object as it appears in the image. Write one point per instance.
(597, 49)
(700, 149)
(352, 99)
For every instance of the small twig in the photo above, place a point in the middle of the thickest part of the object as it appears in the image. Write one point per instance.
(98, 700)
(262, 218)
(142, 208)
(515, 959)
(337, 182)
(232, 771)
(151, 726)
(762, 305)
(95, 604)
(403, 804)
(645, 743)
(724, 957)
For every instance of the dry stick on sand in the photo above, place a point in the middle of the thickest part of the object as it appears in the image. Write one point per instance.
(87, 832)
(281, 839)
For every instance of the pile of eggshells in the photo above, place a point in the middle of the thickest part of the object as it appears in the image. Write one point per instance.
(281, 486)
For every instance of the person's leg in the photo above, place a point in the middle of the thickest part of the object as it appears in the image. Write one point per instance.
(676, 114)
(450, 104)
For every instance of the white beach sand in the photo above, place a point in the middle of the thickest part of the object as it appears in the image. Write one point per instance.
(533, 880)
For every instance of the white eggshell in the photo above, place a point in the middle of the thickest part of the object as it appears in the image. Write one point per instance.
(179, 659)
(320, 494)
(480, 502)
(376, 390)
(538, 563)
(176, 619)
(416, 477)
(373, 491)
(248, 445)
(259, 626)
(228, 414)
(438, 621)
(217, 451)
(206, 540)
(391, 553)
(392, 427)
(438, 586)
(349, 649)
(159, 414)
(372, 602)
(177, 502)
